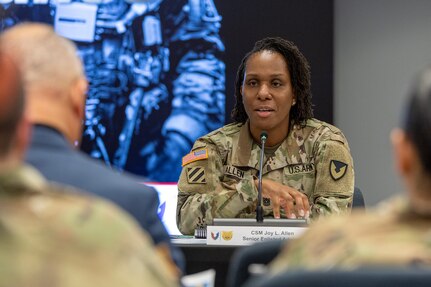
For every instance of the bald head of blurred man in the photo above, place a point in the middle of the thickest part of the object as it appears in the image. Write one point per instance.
(52, 76)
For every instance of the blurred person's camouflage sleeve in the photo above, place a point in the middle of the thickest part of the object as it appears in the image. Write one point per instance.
(57, 236)
(354, 241)
(198, 86)
(217, 179)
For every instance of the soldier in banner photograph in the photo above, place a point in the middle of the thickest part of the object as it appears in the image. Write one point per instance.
(156, 78)
(178, 86)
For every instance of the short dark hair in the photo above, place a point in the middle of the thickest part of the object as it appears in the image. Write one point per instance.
(417, 118)
(11, 103)
(299, 71)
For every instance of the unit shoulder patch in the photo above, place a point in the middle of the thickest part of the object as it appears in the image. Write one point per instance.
(196, 174)
(337, 169)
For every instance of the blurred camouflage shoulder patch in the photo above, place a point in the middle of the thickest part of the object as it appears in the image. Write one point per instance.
(194, 156)
(196, 174)
(337, 169)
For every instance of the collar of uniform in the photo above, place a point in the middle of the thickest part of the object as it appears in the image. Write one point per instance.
(246, 152)
(282, 154)
(21, 178)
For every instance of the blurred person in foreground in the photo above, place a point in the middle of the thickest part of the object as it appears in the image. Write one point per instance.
(397, 232)
(54, 87)
(307, 170)
(50, 236)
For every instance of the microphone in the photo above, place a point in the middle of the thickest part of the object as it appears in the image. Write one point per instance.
(259, 208)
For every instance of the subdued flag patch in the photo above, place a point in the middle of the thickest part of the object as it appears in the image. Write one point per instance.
(196, 174)
(194, 156)
(337, 169)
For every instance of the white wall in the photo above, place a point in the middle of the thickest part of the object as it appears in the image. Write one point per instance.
(379, 46)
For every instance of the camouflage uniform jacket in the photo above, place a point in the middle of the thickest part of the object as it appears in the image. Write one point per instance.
(391, 235)
(217, 179)
(50, 237)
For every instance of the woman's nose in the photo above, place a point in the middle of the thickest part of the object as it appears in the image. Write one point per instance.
(264, 92)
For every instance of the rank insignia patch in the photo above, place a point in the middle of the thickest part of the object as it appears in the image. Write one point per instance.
(194, 156)
(196, 174)
(227, 235)
(337, 169)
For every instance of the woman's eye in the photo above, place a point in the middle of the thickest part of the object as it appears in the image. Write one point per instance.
(252, 83)
(276, 84)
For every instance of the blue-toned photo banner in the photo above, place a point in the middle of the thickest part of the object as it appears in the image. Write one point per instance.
(156, 78)
(161, 72)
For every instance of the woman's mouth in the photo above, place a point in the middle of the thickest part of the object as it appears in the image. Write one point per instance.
(264, 112)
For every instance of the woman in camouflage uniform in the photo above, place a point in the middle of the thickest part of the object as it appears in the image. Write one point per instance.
(307, 169)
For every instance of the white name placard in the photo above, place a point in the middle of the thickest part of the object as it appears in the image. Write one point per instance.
(247, 235)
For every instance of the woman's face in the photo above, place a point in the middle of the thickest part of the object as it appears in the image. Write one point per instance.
(267, 95)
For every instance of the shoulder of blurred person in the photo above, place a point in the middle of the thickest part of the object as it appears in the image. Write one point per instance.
(58, 161)
(390, 234)
(53, 156)
(51, 237)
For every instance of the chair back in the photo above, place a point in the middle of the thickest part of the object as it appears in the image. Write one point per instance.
(358, 198)
(259, 253)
